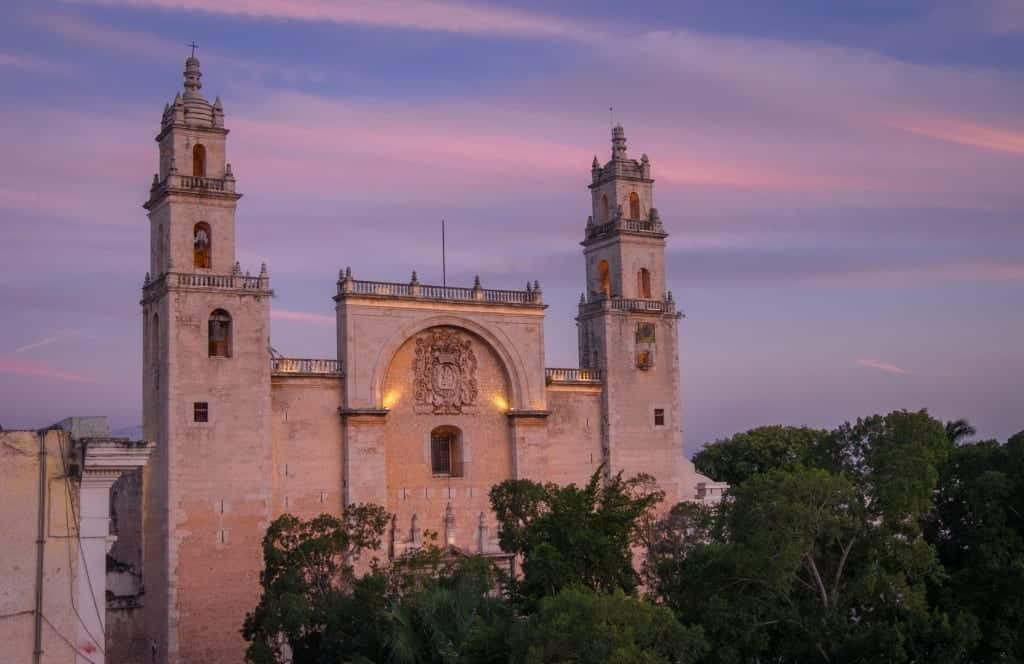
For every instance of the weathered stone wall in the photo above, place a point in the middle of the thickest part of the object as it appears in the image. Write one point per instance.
(218, 477)
(126, 629)
(306, 431)
(19, 502)
(573, 450)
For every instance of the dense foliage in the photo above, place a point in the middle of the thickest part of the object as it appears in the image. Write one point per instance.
(889, 539)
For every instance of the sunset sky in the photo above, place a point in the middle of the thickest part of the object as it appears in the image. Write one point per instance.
(843, 183)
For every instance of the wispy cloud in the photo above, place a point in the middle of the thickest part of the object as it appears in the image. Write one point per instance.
(963, 132)
(39, 370)
(47, 341)
(301, 316)
(30, 63)
(148, 45)
(422, 15)
(882, 366)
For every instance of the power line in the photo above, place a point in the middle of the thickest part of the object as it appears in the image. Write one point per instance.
(69, 501)
(65, 640)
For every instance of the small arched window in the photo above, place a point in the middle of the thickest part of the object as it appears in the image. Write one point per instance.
(605, 278)
(199, 160)
(634, 205)
(220, 333)
(603, 211)
(643, 283)
(202, 245)
(446, 452)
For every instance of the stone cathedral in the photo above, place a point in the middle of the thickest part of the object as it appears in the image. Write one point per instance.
(436, 394)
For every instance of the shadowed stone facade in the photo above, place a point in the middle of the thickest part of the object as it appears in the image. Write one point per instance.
(436, 394)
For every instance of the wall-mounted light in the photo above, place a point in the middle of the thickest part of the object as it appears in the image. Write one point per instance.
(391, 398)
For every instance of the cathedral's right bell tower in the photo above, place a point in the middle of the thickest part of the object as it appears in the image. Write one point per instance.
(628, 324)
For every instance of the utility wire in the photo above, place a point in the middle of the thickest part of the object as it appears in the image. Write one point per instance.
(67, 641)
(68, 500)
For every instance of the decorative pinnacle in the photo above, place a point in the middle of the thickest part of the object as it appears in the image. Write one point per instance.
(529, 287)
(583, 298)
(596, 165)
(348, 273)
(536, 286)
(476, 281)
(415, 280)
(618, 142)
(192, 76)
(145, 282)
(263, 269)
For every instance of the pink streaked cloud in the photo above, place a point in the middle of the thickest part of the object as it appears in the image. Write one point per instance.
(148, 45)
(962, 132)
(423, 15)
(46, 341)
(301, 316)
(38, 370)
(883, 366)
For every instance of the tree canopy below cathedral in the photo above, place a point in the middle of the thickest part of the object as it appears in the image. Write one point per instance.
(886, 539)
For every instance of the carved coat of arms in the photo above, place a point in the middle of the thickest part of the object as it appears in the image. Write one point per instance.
(444, 373)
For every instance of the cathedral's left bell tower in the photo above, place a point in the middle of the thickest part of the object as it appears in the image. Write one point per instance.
(206, 395)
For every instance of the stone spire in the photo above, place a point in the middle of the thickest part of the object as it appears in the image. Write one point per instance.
(192, 76)
(618, 142)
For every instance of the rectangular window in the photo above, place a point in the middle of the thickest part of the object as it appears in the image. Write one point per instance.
(200, 411)
(659, 417)
(441, 453)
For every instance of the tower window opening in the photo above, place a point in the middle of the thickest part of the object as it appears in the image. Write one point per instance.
(659, 417)
(202, 245)
(220, 334)
(199, 161)
(201, 411)
(643, 283)
(605, 278)
(446, 452)
(634, 205)
(603, 211)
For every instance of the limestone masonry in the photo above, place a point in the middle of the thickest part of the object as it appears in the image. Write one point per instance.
(437, 393)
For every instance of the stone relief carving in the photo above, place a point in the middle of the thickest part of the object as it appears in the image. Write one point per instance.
(444, 373)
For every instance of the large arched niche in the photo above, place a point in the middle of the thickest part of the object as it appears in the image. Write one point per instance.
(448, 391)
(446, 371)
(519, 395)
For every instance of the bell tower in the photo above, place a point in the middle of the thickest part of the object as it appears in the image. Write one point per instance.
(627, 322)
(206, 395)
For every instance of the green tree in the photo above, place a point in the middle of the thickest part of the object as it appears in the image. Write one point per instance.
(825, 560)
(570, 535)
(979, 533)
(759, 450)
(308, 568)
(588, 627)
(958, 430)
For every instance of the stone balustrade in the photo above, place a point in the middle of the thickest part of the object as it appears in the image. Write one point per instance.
(651, 226)
(572, 375)
(235, 281)
(666, 306)
(295, 366)
(349, 287)
(192, 183)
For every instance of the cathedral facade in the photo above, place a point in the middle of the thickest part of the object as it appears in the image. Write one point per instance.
(437, 393)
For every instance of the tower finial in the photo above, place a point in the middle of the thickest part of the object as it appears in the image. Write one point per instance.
(618, 142)
(192, 74)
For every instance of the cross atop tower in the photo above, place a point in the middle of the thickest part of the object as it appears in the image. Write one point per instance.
(194, 46)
